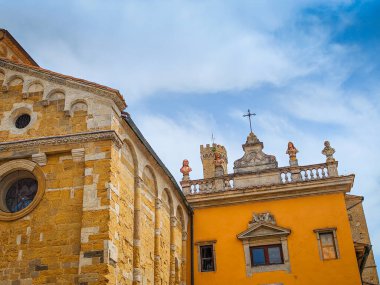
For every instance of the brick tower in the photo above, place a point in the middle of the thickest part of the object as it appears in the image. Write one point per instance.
(210, 156)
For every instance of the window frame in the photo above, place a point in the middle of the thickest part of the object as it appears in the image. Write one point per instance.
(331, 231)
(8, 174)
(200, 259)
(266, 254)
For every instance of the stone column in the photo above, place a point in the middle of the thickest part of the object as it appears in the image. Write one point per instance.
(186, 187)
(157, 242)
(137, 232)
(332, 168)
(173, 224)
(183, 264)
(295, 173)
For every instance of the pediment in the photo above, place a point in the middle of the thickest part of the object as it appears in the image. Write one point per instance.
(263, 230)
(12, 50)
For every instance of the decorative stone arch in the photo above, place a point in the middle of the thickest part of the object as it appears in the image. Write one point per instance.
(136, 254)
(55, 94)
(14, 80)
(180, 216)
(150, 181)
(78, 105)
(33, 87)
(127, 144)
(28, 166)
(166, 192)
(149, 170)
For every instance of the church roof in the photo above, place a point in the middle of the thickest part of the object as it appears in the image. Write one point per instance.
(17, 50)
(122, 104)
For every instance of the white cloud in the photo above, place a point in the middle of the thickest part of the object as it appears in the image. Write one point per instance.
(193, 46)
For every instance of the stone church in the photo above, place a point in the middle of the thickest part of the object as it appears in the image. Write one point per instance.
(84, 199)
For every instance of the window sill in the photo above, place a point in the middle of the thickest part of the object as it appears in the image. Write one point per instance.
(270, 268)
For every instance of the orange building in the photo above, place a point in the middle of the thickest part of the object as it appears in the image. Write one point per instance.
(266, 224)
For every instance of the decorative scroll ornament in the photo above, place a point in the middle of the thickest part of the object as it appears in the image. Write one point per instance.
(328, 151)
(254, 159)
(267, 218)
(185, 169)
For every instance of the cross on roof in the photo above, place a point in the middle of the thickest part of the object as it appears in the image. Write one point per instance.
(249, 115)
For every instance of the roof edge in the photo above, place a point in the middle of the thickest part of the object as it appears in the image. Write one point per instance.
(20, 67)
(127, 118)
(17, 44)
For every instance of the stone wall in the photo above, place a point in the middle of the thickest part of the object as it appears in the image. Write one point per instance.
(44, 246)
(157, 207)
(108, 212)
(360, 234)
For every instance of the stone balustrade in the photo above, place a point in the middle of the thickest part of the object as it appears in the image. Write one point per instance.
(276, 176)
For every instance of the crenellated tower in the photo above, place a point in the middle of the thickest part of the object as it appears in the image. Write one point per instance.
(213, 158)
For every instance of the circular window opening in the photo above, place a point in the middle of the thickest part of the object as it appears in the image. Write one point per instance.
(22, 121)
(18, 191)
(21, 194)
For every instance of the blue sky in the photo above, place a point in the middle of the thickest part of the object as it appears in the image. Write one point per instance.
(309, 69)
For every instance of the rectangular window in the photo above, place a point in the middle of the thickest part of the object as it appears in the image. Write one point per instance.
(327, 244)
(266, 255)
(207, 258)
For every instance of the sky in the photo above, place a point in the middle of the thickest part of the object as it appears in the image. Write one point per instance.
(309, 69)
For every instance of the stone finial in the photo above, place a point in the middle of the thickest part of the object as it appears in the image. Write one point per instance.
(254, 159)
(292, 152)
(185, 169)
(328, 151)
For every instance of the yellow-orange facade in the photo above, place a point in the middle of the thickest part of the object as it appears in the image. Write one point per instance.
(85, 200)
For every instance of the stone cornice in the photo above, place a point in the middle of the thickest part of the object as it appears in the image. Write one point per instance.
(68, 81)
(341, 184)
(59, 140)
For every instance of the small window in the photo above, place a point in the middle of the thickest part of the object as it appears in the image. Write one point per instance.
(328, 245)
(22, 121)
(266, 255)
(207, 258)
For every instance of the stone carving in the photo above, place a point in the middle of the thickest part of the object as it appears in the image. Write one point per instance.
(262, 218)
(218, 159)
(292, 152)
(185, 169)
(254, 159)
(40, 158)
(328, 151)
(67, 81)
(62, 140)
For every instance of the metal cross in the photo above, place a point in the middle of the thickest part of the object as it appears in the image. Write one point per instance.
(249, 115)
(212, 138)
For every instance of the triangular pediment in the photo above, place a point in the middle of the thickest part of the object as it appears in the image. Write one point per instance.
(12, 50)
(263, 230)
